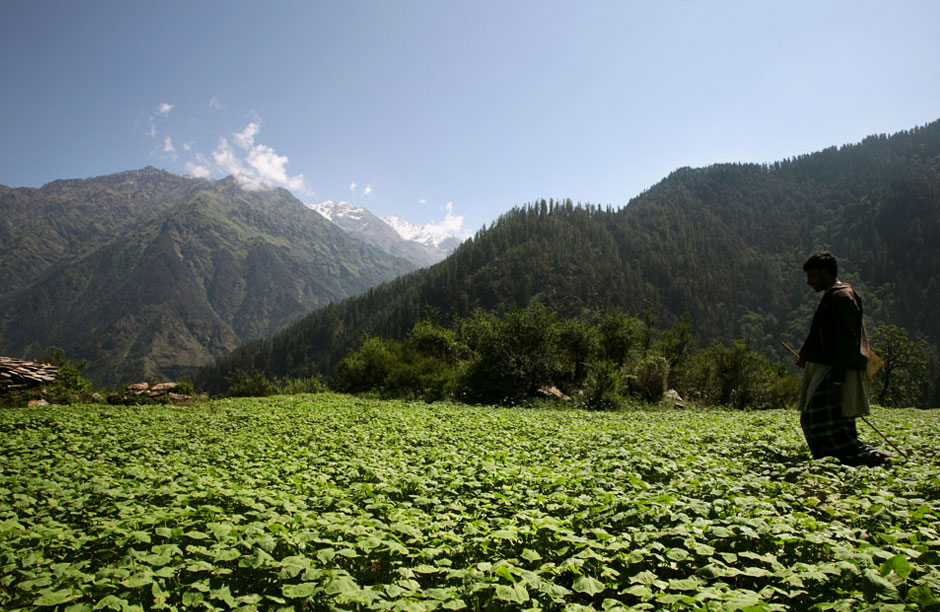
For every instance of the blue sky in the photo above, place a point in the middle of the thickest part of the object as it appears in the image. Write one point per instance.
(425, 109)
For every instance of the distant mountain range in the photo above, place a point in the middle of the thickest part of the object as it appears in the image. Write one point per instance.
(723, 244)
(149, 275)
(423, 245)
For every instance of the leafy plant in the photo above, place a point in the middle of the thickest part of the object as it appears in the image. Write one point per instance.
(334, 502)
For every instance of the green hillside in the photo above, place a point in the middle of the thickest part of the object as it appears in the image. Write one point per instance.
(168, 276)
(724, 244)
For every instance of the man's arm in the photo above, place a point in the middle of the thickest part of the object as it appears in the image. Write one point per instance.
(844, 334)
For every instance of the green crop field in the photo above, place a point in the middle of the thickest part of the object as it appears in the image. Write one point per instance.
(325, 502)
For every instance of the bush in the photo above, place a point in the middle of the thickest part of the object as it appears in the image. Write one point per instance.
(185, 386)
(604, 387)
(69, 386)
(253, 384)
(620, 334)
(513, 356)
(441, 343)
(727, 375)
(649, 376)
(368, 368)
(294, 386)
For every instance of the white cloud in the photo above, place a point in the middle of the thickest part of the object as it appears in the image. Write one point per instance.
(214, 103)
(422, 201)
(451, 225)
(261, 167)
(246, 138)
(270, 166)
(226, 159)
(352, 186)
(197, 170)
(367, 190)
(254, 165)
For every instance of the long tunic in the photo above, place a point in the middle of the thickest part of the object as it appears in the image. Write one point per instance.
(836, 351)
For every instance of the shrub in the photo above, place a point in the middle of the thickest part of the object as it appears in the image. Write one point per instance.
(727, 375)
(294, 386)
(249, 384)
(620, 334)
(649, 376)
(439, 342)
(512, 357)
(368, 368)
(70, 386)
(185, 386)
(604, 387)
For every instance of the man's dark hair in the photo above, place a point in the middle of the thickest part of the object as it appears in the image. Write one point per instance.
(822, 261)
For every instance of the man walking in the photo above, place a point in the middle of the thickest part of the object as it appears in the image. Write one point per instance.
(835, 359)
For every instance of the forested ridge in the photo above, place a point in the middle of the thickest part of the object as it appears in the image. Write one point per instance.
(724, 244)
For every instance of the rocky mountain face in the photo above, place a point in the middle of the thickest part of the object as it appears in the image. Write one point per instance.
(149, 275)
(419, 244)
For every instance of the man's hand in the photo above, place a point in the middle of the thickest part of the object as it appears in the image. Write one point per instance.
(800, 363)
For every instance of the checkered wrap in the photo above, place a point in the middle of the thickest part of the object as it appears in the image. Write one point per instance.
(829, 434)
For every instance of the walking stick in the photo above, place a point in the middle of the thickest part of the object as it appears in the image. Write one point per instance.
(877, 431)
(891, 444)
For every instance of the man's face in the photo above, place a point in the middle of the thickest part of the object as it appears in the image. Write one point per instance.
(818, 279)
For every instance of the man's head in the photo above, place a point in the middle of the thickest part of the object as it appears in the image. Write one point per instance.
(821, 271)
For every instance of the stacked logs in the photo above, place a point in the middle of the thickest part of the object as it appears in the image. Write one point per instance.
(19, 375)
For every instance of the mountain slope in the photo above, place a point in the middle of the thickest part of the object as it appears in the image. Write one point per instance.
(724, 244)
(201, 270)
(67, 219)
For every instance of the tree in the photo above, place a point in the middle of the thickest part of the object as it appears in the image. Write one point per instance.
(69, 386)
(513, 355)
(903, 378)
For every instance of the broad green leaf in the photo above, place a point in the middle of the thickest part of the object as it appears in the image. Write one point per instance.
(586, 584)
(138, 580)
(516, 593)
(110, 602)
(297, 591)
(531, 555)
(875, 586)
(55, 598)
(923, 597)
(640, 590)
(644, 577)
(342, 585)
(897, 564)
(677, 554)
(226, 554)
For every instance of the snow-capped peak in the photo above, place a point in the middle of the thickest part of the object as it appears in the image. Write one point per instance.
(430, 234)
(339, 210)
